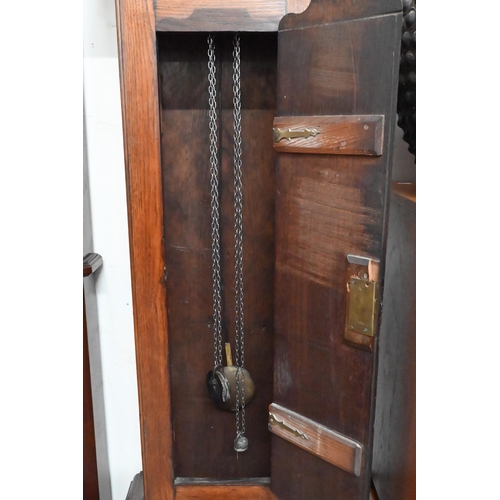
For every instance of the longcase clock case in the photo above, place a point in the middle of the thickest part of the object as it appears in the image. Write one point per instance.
(315, 215)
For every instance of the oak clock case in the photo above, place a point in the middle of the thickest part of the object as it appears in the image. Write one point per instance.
(317, 105)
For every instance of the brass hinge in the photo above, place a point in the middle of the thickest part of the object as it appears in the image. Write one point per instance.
(363, 301)
(274, 420)
(280, 134)
(363, 306)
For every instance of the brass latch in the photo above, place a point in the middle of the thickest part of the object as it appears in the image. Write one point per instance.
(280, 134)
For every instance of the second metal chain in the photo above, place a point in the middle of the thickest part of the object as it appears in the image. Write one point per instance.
(238, 242)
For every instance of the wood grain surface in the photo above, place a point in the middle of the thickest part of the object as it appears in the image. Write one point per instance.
(203, 431)
(224, 15)
(342, 135)
(322, 12)
(139, 89)
(315, 438)
(328, 206)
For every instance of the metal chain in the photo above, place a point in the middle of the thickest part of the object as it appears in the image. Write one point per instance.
(238, 242)
(238, 226)
(214, 192)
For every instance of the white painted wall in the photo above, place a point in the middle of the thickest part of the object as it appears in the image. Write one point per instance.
(109, 301)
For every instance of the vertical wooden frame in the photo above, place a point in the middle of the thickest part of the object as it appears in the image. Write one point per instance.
(139, 88)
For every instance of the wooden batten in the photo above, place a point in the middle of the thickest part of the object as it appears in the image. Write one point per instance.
(341, 135)
(224, 15)
(315, 438)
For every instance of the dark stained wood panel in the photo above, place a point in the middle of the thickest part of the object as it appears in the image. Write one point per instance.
(327, 11)
(203, 444)
(328, 206)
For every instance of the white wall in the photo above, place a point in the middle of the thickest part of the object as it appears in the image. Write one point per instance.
(109, 301)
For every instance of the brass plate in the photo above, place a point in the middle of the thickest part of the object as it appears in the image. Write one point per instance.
(363, 306)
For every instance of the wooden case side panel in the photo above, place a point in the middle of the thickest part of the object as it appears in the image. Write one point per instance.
(138, 76)
(328, 206)
(394, 455)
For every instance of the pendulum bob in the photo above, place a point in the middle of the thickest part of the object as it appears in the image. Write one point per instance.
(218, 386)
(221, 382)
(231, 373)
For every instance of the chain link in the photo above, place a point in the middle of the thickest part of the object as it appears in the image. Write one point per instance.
(238, 241)
(214, 192)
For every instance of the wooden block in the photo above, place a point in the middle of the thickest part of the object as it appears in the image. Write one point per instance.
(330, 134)
(91, 262)
(315, 438)
(224, 15)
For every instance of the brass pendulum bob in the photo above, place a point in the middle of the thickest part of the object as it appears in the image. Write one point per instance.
(221, 383)
(232, 373)
(218, 386)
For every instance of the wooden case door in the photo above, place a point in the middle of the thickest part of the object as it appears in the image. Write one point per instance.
(337, 75)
